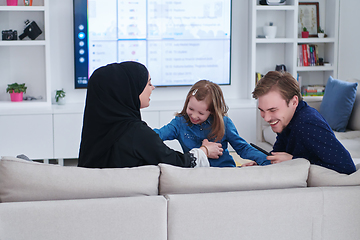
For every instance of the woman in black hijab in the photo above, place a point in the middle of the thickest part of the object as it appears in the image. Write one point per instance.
(113, 133)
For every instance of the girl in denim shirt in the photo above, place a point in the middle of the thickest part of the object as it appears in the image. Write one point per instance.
(204, 117)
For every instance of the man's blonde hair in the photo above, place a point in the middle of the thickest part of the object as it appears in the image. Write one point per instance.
(283, 82)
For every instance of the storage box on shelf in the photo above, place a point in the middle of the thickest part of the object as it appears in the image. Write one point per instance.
(25, 61)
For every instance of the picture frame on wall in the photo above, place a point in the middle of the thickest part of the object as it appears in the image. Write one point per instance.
(309, 17)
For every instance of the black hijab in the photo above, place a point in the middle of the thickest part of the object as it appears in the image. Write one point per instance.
(112, 105)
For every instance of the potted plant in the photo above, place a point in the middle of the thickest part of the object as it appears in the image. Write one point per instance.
(16, 91)
(305, 33)
(60, 97)
(321, 33)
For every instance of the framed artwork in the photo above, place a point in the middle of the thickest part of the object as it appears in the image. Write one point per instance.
(309, 17)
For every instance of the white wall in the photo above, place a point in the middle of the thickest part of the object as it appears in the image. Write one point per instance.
(62, 62)
(349, 36)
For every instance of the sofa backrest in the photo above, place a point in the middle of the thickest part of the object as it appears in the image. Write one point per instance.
(177, 180)
(22, 180)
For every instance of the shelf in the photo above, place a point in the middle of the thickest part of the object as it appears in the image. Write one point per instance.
(27, 61)
(276, 8)
(312, 98)
(316, 40)
(22, 8)
(23, 43)
(315, 68)
(274, 40)
(18, 108)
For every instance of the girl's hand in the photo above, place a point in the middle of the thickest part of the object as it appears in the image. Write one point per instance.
(252, 163)
(278, 157)
(214, 150)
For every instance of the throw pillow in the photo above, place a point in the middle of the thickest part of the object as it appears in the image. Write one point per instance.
(354, 122)
(22, 180)
(177, 180)
(337, 103)
(322, 177)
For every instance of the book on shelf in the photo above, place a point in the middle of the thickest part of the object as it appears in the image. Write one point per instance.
(299, 79)
(258, 76)
(313, 90)
(308, 55)
(305, 55)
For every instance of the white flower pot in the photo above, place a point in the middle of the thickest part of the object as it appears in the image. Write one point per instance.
(321, 35)
(61, 101)
(270, 31)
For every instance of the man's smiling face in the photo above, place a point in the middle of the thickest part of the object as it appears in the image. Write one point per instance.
(274, 109)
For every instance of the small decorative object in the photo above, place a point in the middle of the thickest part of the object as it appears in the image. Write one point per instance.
(321, 33)
(309, 17)
(9, 34)
(305, 33)
(280, 68)
(270, 31)
(60, 97)
(272, 2)
(12, 2)
(16, 91)
(31, 30)
(28, 2)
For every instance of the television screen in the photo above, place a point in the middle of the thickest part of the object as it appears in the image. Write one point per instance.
(180, 41)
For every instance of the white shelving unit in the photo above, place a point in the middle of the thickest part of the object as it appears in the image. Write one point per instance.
(25, 61)
(267, 53)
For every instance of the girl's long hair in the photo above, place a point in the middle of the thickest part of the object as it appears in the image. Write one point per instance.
(210, 92)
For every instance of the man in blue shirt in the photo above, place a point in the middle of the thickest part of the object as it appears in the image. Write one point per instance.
(301, 130)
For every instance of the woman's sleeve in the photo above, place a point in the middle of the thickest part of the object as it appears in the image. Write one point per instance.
(150, 147)
(244, 149)
(169, 131)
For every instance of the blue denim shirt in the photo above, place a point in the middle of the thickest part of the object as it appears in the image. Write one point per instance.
(191, 136)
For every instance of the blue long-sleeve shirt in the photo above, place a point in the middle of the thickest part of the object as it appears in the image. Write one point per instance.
(309, 136)
(191, 136)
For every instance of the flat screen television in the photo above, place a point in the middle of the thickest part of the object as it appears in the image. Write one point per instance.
(180, 41)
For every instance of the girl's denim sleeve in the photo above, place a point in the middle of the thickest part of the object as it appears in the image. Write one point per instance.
(169, 131)
(244, 149)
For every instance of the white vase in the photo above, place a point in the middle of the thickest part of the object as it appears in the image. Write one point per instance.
(270, 31)
(61, 101)
(321, 35)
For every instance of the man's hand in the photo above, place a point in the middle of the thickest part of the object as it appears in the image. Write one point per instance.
(278, 157)
(214, 149)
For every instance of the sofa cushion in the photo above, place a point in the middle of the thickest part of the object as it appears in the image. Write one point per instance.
(321, 177)
(22, 180)
(338, 103)
(269, 135)
(177, 180)
(354, 120)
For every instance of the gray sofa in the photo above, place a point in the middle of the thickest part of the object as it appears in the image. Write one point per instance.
(290, 200)
(350, 138)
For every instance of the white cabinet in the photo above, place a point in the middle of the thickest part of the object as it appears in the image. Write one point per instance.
(29, 134)
(67, 134)
(266, 53)
(25, 61)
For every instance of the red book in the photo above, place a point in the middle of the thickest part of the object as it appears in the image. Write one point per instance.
(305, 55)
